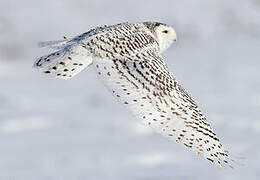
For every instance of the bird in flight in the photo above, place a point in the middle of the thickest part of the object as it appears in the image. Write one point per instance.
(128, 58)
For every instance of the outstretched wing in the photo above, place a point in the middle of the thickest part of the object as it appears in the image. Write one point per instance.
(150, 91)
(73, 55)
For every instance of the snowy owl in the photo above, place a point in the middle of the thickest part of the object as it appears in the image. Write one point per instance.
(128, 58)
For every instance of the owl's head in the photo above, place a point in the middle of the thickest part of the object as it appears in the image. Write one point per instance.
(164, 34)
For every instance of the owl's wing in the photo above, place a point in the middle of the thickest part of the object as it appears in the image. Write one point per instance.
(73, 55)
(65, 63)
(152, 94)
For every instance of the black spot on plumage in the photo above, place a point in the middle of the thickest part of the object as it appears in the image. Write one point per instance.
(210, 160)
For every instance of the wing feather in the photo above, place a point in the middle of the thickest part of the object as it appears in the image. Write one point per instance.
(152, 94)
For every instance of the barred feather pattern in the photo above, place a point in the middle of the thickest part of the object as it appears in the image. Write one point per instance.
(165, 107)
(128, 59)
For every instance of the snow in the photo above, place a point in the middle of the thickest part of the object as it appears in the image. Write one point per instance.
(61, 130)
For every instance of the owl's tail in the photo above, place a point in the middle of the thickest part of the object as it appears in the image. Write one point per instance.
(64, 63)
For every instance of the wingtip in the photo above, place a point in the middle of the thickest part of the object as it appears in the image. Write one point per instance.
(53, 44)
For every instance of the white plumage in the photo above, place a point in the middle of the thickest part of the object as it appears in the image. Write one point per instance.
(128, 59)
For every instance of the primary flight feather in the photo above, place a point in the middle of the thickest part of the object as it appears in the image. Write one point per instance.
(127, 57)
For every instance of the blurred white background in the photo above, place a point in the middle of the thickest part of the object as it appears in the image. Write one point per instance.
(75, 130)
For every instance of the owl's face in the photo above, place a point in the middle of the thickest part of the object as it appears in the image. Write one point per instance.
(166, 35)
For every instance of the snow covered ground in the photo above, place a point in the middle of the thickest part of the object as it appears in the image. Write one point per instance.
(75, 130)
